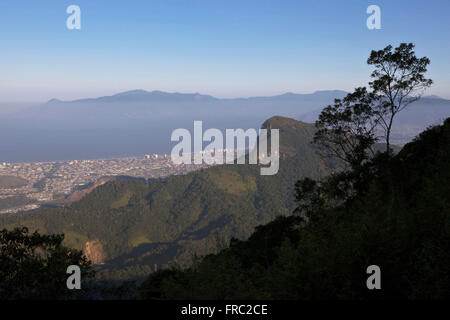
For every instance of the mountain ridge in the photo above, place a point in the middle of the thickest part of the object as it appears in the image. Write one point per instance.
(154, 94)
(162, 221)
(328, 256)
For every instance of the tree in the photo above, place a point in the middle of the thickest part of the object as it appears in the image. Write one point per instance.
(33, 266)
(398, 81)
(346, 129)
(350, 128)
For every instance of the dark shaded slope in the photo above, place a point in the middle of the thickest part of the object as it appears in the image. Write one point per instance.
(327, 258)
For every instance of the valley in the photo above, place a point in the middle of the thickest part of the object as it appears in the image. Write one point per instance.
(165, 221)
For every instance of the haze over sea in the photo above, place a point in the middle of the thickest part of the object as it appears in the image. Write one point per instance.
(139, 122)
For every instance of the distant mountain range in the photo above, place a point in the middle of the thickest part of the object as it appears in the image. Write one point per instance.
(137, 122)
(161, 96)
(142, 96)
(157, 104)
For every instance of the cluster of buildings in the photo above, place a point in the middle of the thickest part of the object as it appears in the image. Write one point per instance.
(51, 181)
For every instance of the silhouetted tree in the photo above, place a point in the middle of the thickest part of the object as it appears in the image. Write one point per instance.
(350, 128)
(346, 129)
(398, 80)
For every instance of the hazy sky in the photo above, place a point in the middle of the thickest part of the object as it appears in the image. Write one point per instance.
(225, 48)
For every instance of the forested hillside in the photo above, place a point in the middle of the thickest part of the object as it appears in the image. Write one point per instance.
(137, 224)
(407, 236)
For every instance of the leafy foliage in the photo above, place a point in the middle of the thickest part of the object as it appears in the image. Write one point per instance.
(347, 129)
(398, 80)
(33, 266)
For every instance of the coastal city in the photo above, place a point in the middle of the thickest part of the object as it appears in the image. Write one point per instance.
(28, 186)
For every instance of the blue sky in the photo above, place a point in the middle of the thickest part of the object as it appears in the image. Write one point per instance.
(223, 48)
